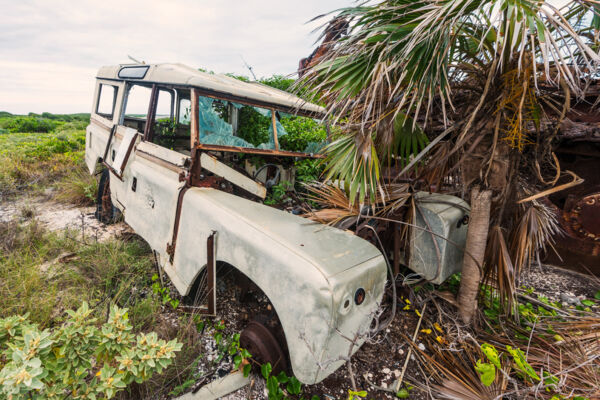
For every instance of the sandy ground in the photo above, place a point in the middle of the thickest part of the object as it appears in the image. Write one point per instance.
(57, 216)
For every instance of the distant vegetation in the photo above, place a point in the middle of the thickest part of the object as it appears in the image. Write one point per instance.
(44, 122)
(41, 150)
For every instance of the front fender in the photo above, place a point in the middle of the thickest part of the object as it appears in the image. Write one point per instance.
(299, 292)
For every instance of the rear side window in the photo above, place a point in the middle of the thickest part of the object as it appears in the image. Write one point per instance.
(106, 100)
(164, 105)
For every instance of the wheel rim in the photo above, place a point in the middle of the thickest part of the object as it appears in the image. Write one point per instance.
(263, 346)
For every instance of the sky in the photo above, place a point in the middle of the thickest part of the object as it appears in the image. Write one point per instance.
(50, 50)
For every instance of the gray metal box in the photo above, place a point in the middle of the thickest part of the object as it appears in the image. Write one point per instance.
(444, 215)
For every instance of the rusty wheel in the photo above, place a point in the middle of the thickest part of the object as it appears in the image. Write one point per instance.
(264, 347)
(104, 206)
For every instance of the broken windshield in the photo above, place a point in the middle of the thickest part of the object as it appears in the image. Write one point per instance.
(226, 123)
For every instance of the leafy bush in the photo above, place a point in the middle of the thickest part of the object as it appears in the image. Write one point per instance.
(308, 170)
(28, 124)
(78, 359)
(255, 126)
(301, 131)
(278, 82)
(281, 386)
(34, 160)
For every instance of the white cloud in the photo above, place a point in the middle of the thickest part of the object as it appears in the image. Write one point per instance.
(50, 50)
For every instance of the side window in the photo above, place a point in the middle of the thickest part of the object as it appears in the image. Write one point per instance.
(138, 100)
(106, 100)
(169, 130)
(185, 108)
(163, 105)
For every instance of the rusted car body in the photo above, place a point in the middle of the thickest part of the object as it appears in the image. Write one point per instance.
(196, 210)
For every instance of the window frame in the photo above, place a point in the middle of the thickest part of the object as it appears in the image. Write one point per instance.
(195, 126)
(114, 101)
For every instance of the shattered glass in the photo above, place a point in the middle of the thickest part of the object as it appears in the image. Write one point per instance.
(226, 123)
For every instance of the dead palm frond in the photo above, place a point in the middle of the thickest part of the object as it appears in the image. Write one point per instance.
(499, 271)
(453, 370)
(533, 233)
(334, 205)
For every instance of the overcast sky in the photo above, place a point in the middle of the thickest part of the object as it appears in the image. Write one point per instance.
(50, 50)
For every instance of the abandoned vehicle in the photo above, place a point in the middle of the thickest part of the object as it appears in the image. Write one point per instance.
(157, 130)
(171, 144)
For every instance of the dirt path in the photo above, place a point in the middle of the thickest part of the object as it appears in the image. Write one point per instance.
(58, 216)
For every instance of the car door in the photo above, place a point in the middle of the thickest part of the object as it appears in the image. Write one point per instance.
(147, 186)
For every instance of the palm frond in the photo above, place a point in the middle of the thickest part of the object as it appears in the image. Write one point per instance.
(535, 231)
(499, 272)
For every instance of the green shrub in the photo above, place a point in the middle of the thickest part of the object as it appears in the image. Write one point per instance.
(302, 131)
(308, 170)
(255, 126)
(78, 359)
(278, 82)
(28, 124)
(34, 160)
(77, 187)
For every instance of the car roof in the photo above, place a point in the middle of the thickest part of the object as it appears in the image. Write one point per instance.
(179, 74)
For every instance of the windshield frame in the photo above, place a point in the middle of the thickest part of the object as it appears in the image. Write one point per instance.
(195, 128)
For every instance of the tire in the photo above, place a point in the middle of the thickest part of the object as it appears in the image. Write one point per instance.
(105, 211)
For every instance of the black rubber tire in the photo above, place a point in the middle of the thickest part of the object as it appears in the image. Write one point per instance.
(104, 207)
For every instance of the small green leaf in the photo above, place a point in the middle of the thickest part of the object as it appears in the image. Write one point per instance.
(237, 360)
(402, 394)
(487, 372)
(273, 387)
(522, 364)
(265, 370)
(245, 353)
(282, 377)
(246, 370)
(588, 303)
(597, 295)
(218, 337)
(294, 386)
(492, 354)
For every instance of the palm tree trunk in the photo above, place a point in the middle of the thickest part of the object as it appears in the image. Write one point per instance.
(477, 234)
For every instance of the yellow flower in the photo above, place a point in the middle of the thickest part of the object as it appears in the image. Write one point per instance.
(406, 307)
(437, 327)
(440, 340)
(98, 373)
(427, 331)
(407, 301)
(418, 313)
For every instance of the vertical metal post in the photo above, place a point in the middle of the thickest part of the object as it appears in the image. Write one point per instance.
(211, 275)
(149, 128)
(274, 121)
(194, 125)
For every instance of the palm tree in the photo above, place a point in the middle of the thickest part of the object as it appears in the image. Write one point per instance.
(463, 95)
